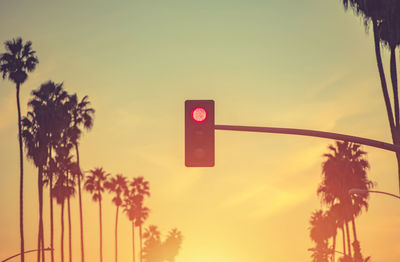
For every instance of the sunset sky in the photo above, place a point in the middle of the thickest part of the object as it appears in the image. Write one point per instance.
(299, 64)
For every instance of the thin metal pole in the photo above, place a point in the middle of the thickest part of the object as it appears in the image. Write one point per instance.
(29, 251)
(313, 133)
(384, 193)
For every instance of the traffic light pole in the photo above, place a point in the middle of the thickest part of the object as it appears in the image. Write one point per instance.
(314, 133)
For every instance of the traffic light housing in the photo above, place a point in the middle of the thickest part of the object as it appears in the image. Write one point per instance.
(199, 133)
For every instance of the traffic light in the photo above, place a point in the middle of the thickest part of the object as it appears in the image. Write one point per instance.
(199, 133)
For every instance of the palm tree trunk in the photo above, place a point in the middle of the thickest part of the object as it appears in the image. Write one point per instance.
(354, 228)
(348, 238)
(69, 227)
(382, 77)
(116, 235)
(141, 245)
(80, 203)
(62, 231)
(344, 241)
(356, 243)
(393, 74)
(51, 217)
(133, 240)
(40, 231)
(388, 105)
(101, 233)
(21, 179)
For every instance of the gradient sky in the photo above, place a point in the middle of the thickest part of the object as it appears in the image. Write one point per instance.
(301, 64)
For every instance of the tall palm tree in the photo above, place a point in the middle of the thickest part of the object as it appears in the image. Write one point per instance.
(35, 143)
(49, 103)
(94, 184)
(71, 175)
(62, 188)
(16, 63)
(117, 185)
(153, 248)
(142, 213)
(130, 208)
(345, 167)
(82, 115)
(383, 14)
(139, 188)
(172, 244)
(319, 233)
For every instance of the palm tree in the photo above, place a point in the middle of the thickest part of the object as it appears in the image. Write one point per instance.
(130, 209)
(49, 105)
(153, 248)
(345, 168)
(15, 63)
(139, 188)
(81, 114)
(319, 233)
(117, 185)
(386, 28)
(62, 188)
(71, 175)
(35, 143)
(141, 216)
(172, 244)
(94, 184)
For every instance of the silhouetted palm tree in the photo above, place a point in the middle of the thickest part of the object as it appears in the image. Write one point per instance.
(15, 63)
(153, 248)
(49, 103)
(345, 168)
(95, 185)
(133, 201)
(141, 216)
(130, 208)
(319, 233)
(385, 23)
(172, 244)
(35, 143)
(140, 188)
(71, 176)
(335, 221)
(117, 185)
(63, 188)
(81, 115)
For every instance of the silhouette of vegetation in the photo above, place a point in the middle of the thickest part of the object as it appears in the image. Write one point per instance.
(345, 168)
(118, 186)
(385, 19)
(133, 207)
(156, 250)
(50, 131)
(15, 64)
(94, 184)
(62, 166)
(81, 115)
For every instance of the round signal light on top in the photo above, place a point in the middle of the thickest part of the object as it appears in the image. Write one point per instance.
(199, 114)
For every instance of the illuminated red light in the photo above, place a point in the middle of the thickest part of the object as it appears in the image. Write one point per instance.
(199, 114)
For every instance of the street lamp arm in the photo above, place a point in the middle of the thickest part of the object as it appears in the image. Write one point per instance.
(363, 191)
(384, 193)
(314, 133)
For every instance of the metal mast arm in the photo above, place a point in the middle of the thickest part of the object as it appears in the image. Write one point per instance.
(314, 133)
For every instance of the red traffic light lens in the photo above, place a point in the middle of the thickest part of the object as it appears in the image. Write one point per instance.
(199, 114)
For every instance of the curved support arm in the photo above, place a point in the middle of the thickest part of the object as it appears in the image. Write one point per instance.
(314, 133)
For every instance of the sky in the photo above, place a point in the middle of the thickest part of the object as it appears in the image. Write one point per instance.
(297, 64)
